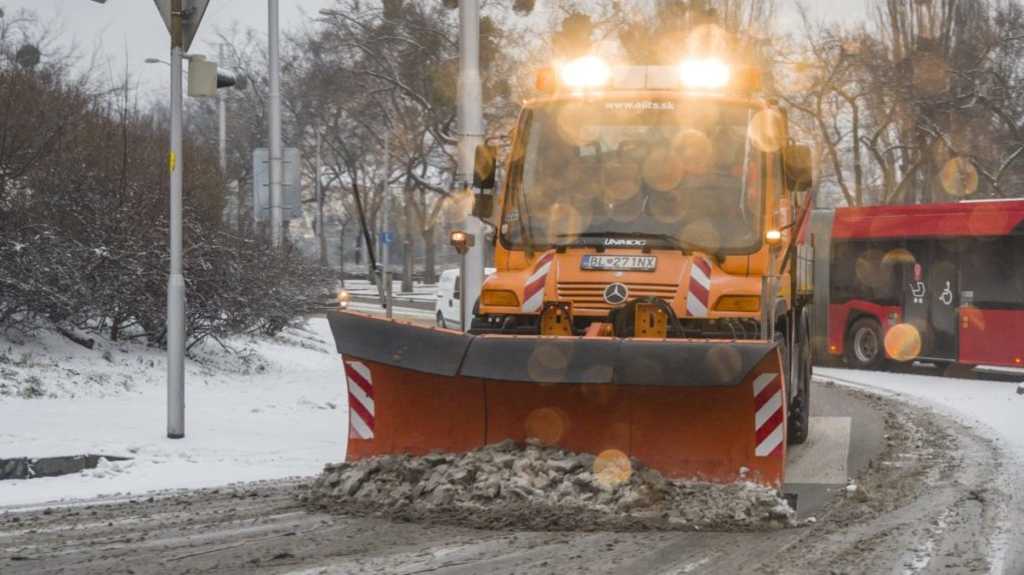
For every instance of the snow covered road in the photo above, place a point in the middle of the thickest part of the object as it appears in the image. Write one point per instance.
(933, 501)
(992, 408)
(926, 506)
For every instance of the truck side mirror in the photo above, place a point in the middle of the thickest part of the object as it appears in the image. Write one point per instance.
(483, 206)
(799, 167)
(485, 166)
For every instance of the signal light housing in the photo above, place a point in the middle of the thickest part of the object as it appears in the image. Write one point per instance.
(739, 303)
(499, 298)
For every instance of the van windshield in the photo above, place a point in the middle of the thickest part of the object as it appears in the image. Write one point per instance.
(677, 169)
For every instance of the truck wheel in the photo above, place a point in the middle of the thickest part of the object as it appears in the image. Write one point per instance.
(799, 421)
(440, 321)
(865, 348)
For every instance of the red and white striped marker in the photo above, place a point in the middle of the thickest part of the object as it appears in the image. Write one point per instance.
(533, 293)
(700, 288)
(768, 415)
(360, 400)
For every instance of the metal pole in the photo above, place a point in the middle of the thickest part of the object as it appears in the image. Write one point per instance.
(320, 199)
(769, 290)
(176, 281)
(471, 131)
(341, 254)
(385, 254)
(222, 122)
(276, 211)
(462, 290)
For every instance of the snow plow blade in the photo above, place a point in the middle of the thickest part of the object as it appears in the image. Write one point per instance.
(692, 409)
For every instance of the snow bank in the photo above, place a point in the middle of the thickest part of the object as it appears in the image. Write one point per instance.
(276, 409)
(48, 365)
(541, 488)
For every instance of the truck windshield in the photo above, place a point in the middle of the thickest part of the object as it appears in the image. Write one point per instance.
(653, 168)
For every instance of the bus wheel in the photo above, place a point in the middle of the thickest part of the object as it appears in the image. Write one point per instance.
(864, 345)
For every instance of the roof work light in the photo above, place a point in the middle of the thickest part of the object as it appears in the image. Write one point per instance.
(585, 72)
(705, 73)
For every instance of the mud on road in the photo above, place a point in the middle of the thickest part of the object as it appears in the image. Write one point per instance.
(928, 504)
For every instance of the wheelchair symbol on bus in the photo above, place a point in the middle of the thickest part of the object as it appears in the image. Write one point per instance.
(947, 295)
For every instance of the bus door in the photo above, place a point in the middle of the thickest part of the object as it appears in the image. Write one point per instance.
(931, 300)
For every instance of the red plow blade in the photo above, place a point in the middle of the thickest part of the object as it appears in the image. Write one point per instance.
(698, 410)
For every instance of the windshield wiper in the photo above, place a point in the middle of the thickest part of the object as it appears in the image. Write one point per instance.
(671, 240)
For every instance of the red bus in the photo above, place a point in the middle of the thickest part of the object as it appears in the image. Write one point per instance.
(955, 272)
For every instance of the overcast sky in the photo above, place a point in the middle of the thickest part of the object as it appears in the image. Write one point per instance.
(133, 28)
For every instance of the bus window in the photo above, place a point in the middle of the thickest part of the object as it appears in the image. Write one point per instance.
(994, 272)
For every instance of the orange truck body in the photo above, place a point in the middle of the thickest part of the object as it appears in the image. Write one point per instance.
(709, 404)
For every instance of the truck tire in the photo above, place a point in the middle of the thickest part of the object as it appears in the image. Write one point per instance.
(865, 348)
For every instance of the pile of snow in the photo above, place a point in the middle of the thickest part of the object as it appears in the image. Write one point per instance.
(541, 488)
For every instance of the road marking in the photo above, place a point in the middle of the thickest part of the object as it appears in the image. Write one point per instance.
(823, 459)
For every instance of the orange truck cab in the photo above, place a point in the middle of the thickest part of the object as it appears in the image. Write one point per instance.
(641, 190)
(656, 194)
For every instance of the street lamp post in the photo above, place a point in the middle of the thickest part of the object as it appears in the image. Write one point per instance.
(276, 212)
(471, 131)
(322, 238)
(176, 282)
(174, 14)
(222, 122)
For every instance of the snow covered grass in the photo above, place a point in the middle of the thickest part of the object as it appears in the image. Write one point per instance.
(48, 365)
(274, 408)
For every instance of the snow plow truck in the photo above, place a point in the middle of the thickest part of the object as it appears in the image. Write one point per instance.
(650, 297)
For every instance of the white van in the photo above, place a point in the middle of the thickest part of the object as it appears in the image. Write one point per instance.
(446, 308)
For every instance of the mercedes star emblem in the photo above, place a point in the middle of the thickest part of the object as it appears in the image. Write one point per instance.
(616, 294)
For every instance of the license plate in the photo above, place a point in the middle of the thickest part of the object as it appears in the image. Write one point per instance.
(620, 263)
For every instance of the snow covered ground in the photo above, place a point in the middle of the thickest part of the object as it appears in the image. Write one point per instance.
(274, 410)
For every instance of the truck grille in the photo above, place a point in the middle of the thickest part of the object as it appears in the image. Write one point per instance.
(588, 297)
